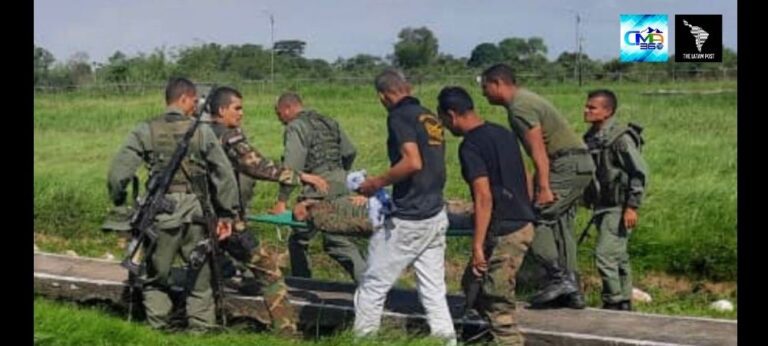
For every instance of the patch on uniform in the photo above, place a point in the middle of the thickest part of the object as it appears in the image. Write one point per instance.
(234, 139)
(433, 127)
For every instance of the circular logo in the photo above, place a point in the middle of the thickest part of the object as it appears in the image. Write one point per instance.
(659, 46)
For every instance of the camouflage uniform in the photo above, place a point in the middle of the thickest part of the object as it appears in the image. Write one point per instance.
(570, 171)
(248, 165)
(153, 143)
(496, 296)
(621, 177)
(316, 144)
(340, 216)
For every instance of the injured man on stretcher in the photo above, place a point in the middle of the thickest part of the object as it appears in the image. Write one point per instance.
(349, 215)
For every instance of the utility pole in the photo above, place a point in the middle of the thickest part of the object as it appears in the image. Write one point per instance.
(578, 44)
(272, 45)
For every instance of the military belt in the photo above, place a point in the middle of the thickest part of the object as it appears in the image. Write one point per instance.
(568, 152)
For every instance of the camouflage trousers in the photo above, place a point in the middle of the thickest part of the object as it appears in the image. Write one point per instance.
(496, 297)
(265, 266)
(612, 257)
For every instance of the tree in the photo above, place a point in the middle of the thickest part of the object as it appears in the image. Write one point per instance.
(484, 54)
(116, 70)
(529, 55)
(294, 48)
(417, 47)
(200, 62)
(361, 63)
(43, 61)
(79, 68)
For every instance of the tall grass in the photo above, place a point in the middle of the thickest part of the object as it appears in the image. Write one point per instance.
(687, 224)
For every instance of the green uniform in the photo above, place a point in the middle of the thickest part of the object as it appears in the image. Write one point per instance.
(316, 144)
(570, 171)
(249, 165)
(621, 177)
(153, 143)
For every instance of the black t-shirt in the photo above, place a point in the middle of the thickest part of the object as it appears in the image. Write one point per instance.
(419, 196)
(493, 151)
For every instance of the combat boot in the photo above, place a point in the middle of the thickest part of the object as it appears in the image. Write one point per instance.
(559, 285)
(575, 300)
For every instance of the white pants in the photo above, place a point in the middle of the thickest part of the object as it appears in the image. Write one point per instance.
(391, 249)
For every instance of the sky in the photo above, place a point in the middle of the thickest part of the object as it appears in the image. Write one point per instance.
(344, 28)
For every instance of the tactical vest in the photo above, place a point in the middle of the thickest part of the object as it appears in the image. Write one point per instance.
(324, 149)
(165, 134)
(611, 182)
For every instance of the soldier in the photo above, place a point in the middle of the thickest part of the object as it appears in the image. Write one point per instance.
(316, 144)
(414, 234)
(621, 180)
(249, 164)
(563, 170)
(492, 165)
(153, 143)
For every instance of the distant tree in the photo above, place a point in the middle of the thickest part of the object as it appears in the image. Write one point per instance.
(294, 48)
(361, 62)
(525, 55)
(116, 69)
(79, 68)
(43, 61)
(484, 54)
(416, 47)
(200, 62)
(729, 58)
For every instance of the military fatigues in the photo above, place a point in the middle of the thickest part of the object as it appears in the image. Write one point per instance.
(570, 171)
(153, 142)
(621, 177)
(316, 144)
(249, 164)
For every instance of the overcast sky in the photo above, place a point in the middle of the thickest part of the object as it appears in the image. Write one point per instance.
(343, 28)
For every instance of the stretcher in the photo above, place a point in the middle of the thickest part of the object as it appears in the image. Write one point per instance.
(286, 220)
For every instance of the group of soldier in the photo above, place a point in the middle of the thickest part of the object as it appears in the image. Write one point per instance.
(513, 213)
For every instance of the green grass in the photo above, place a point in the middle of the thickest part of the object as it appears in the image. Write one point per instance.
(59, 323)
(687, 225)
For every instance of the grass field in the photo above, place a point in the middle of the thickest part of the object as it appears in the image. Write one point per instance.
(683, 250)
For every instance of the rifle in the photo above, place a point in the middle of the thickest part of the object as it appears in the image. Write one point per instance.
(585, 232)
(155, 202)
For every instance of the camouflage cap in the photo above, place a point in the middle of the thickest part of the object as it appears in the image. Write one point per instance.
(118, 219)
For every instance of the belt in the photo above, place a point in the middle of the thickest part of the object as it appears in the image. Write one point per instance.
(568, 152)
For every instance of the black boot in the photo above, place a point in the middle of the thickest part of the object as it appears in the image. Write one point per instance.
(575, 300)
(612, 306)
(626, 305)
(559, 285)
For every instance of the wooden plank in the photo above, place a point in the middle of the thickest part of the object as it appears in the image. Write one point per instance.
(322, 304)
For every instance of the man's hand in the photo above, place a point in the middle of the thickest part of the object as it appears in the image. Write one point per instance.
(630, 218)
(223, 229)
(479, 264)
(545, 197)
(371, 185)
(300, 212)
(279, 208)
(316, 181)
(358, 200)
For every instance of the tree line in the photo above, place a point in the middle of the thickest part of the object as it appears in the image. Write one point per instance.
(416, 51)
